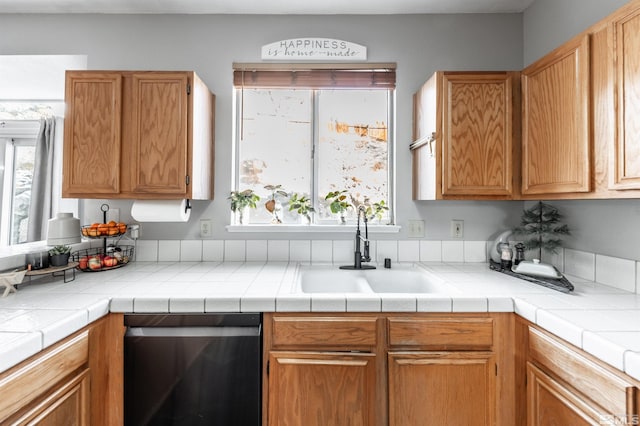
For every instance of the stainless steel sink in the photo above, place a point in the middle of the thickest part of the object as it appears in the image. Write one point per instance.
(401, 279)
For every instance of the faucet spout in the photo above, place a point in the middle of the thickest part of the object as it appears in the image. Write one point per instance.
(359, 256)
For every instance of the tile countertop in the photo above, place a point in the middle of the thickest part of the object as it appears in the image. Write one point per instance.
(602, 320)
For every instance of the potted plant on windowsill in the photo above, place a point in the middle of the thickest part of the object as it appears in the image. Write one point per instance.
(376, 210)
(301, 205)
(241, 202)
(59, 255)
(273, 206)
(338, 203)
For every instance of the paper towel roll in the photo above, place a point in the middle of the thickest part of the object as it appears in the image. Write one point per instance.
(161, 210)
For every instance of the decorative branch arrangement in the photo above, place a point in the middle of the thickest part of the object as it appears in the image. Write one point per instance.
(541, 224)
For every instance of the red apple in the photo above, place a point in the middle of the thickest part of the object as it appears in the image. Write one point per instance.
(83, 262)
(109, 261)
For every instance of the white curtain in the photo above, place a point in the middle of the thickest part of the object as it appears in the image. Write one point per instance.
(41, 207)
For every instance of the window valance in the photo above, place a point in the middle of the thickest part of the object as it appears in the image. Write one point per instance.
(315, 76)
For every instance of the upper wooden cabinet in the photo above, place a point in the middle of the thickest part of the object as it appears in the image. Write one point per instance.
(625, 156)
(580, 137)
(466, 127)
(555, 121)
(92, 138)
(138, 135)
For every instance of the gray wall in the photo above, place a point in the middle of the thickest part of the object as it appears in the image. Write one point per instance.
(549, 23)
(610, 227)
(420, 44)
(208, 44)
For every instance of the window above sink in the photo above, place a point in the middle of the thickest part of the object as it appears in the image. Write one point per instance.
(311, 132)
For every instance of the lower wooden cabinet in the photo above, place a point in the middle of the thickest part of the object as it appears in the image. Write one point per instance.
(51, 388)
(550, 402)
(442, 388)
(75, 382)
(322, 369)
(565, 386)
(318, 389)
(387, 369)
(68, 405)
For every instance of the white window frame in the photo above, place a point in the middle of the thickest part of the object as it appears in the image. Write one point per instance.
(325, 224)
(12, 134)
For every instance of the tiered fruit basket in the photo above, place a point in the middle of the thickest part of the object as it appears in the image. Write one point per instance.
(99, 259)
(108, 256)
(101, 230)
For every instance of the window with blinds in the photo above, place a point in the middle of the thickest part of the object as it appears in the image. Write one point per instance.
(309, 132)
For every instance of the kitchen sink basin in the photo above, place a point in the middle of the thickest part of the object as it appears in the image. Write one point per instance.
(402, 279)
(323, 280)
(409, 280)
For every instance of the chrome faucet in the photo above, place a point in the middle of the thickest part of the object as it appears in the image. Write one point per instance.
(361, 256)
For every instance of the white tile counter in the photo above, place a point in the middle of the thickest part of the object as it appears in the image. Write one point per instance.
(602, 320)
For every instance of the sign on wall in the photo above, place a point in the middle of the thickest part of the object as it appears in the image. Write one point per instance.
(326, 49)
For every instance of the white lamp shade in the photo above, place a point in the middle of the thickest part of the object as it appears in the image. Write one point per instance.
(63, 229)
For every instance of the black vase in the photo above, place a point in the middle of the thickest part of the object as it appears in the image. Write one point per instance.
(59, 259)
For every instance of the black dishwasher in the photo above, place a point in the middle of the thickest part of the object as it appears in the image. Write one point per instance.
(196, 369)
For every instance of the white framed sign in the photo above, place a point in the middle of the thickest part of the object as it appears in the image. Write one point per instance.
(314, 48)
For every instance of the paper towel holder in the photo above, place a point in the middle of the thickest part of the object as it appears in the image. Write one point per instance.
(163, 210)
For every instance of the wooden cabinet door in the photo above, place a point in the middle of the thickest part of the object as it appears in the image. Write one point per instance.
(477, 134)
(51, 388)
(586, 379)
(321, 388)
(551, 403)
(425, 149)
(92, 130)
(159, 133)
(68, 405)
(625, 161)
(442, 388)
(464, 136)
(556, 137)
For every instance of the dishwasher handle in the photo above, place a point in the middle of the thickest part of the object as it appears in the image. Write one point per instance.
(194, 331)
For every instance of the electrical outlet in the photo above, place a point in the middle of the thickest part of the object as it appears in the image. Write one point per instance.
(416, 229)
(205, 228)
(457, 229)
(134, 231)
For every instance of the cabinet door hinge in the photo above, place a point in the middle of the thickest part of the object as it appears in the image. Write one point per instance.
(268, 368)
(496, 369)
(187, 179)
(188, 89)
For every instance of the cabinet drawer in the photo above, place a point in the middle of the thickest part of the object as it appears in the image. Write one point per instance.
(442, 334)
(594, 381)
(327, 332)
